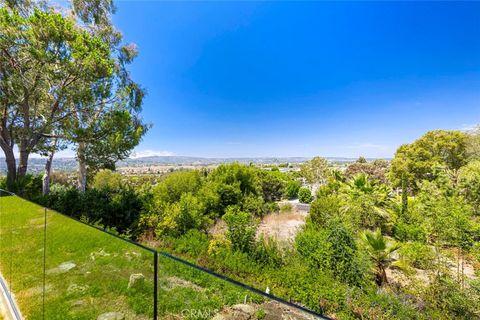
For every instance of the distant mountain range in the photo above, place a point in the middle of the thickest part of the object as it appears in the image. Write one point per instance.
(68, 164)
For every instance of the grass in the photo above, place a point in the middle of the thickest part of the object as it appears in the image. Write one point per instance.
(102, 266)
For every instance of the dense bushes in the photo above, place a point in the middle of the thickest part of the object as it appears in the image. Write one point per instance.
(118, 209)
(210, 195)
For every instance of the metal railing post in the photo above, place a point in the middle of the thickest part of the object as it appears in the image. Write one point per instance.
(155, 285)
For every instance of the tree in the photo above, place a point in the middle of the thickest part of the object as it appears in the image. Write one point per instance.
(65, 78)
(171, 188)
(45, 59)
(305, 195)
(366, 205)
(473, 144)
(361, 159)
(315, 170)
(236, 174)
(376, 170)
(424, 158)
(379, 249)
(272, 184)
(106, 123)
(469, 182)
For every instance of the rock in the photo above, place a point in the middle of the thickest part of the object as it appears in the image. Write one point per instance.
(237, 312)
(63, 267)
(136, 281)
(66, 266)
(244, 308)
(111, 316)
(78, 303)
(77, 288)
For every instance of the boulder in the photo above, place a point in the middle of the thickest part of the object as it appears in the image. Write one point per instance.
(237, 312)
(136, 281)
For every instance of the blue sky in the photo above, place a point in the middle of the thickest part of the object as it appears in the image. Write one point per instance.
(302, 78)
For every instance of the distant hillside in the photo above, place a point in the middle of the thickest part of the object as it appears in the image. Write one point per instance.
(36, 165)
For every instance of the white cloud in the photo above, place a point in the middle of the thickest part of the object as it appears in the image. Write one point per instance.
(468, 127)
(150, 153)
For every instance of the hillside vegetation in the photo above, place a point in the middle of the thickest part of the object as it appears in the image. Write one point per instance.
(382, 239)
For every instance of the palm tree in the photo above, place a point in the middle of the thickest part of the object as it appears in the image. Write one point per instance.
(380, 249)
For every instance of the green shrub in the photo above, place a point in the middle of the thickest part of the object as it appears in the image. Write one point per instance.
(171, 188)
(218, 245)
(254, 205)
(179, 217)
(343, 253)
(268, 252)
(305, 195)
(29, 187)
(409, 232)
(313, 247)
(241, 229)
(120, 209)
(107, 180)
(447, 298)
(239, 175)
(260, 314)
(292, 188)
(418, 254)
(193, 243)
(323, 209)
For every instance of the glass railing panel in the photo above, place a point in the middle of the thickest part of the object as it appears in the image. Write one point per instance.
(22, 252)
(93, 275)
(186, 292)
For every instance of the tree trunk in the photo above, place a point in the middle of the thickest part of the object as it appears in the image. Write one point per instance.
(46, 175)
(11, 166)
(404, 196)
(48, 169)
(23, 161)
(82, 167)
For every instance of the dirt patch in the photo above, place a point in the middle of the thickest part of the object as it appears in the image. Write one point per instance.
(282, 226)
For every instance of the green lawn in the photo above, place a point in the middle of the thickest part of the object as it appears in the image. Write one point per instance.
(88, 271)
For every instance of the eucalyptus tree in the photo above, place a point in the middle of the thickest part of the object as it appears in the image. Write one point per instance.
(45, 59)
(64, 81)
(315, 171)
